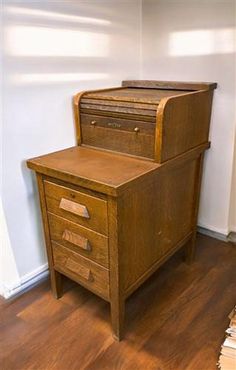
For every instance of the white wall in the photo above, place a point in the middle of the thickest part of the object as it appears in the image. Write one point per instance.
(195, 40)
(51, 51)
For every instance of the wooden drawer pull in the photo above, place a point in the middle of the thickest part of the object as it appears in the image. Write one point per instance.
(76, 239)
(73, 207)
(82, 271)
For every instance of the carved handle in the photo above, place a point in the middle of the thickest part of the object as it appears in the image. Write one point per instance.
(76, 239)
(73, 207)
(82, 271)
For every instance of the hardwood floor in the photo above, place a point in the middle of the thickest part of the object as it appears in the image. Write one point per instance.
(175, 321)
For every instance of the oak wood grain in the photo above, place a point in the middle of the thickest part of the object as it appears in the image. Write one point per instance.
(76, 239)
(56, 279)
(117, 299)
(96, 168)
(130, 94)
(81, 269)
(80, 239)
(182, 123)
(76, 110)
(78, 206)
(168, 85)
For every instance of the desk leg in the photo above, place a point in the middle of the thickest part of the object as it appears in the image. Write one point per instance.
(56, 283)
(56, 278)
(190, 247)
(116, 298)
(117, 318)
(190, 250)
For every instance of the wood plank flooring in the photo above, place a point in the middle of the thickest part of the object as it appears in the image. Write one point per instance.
(175, 321)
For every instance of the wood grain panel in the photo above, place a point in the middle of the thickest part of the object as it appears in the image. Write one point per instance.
(79, 235)
(132, 94)
(177, 202)
(182, 123)
(96, 208)
(115, 104)
(139, 230)
(134, 116)
(117, 123)
(55, 276)
(92, 169)
(117, 110)
(80, 269)
(76, 239)
(168, 85)
(155, 218)
(137, 144)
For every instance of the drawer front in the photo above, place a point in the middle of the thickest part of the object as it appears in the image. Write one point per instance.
(76, 206)
(81, 270)
(84, 241)
(121, 135)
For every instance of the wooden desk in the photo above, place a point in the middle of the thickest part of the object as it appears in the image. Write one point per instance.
(119, 204)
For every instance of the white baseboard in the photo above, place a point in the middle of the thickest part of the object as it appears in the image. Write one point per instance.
(225, 236)
(26, 282)
(212, 234)
(217, 230)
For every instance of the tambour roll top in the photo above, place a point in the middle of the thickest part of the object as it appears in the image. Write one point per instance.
(134, 118)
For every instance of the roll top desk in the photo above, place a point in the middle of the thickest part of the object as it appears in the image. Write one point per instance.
(117, 205)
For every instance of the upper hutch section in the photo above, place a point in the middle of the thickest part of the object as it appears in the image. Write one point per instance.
(151, 119)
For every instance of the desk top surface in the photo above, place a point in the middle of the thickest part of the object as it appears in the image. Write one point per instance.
(99, 170)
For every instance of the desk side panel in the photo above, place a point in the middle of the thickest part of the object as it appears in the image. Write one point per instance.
(156, 218)
(182, 123)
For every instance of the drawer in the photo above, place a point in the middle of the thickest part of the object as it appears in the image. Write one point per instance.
(121, 135)
(76, 206)
(80, 269)
(80, 239)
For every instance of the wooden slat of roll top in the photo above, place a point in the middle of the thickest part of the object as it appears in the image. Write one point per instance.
(130, 116)
(135, 95)
(123, 104)
(118, 109)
